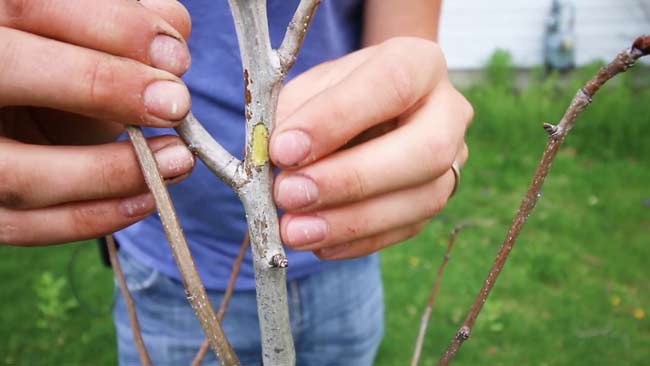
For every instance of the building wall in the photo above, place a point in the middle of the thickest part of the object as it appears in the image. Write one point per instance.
(471, 30)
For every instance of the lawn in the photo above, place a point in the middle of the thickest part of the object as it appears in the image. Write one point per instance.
(576, 291)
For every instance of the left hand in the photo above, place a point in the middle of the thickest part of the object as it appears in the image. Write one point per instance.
(366, 143)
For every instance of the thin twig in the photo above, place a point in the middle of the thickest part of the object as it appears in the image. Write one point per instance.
(557, 134)
(434, 293)
(296, 31)
(145, 360)
(194, 288)
(225, 301)
(224, 165)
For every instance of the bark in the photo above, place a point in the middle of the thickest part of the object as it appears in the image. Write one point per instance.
(424, 322)
(145, 360)
(194, 288)
(264, 70)
(205, 347)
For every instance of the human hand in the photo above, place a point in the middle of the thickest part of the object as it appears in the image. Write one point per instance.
(71, 73)
(366, 145)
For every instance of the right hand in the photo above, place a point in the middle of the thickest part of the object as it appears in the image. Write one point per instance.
(73, 73)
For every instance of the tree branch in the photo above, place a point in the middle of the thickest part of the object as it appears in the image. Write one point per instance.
(296, 31)
(434, 293)
(145, 360)
(263, 77)
(196, 294)
(557, 134)
(224, 165)
(205, 347)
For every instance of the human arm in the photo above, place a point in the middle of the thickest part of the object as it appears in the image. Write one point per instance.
(343, 199)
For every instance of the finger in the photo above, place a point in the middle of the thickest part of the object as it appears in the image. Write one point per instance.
(363, 219)
(81, 173)
(312, 82)
(419, 151)
(385, 86)
(173, 12)
(87, 82)
(72, 222)
(120, 28)
(367, 246)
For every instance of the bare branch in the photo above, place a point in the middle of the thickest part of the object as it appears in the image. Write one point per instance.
(145, 360)
(226, 297)
(196, 294)
(296, 31)
(434, 293)
(621, 63)
(263, 76)
(227, 167)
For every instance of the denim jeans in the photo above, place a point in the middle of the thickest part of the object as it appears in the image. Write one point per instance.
(337, 317)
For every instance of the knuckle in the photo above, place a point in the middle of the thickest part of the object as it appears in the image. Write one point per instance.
(398, 73)
(466, 109)
(433, 206)
(102, 79)
(442, 151)
(10, 195)
(9, 49)
(414, 230)
(110, 172)
(85, 219)
(401, 84)
(353, 185)
(9, 231)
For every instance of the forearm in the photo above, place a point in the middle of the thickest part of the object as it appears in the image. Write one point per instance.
(384, 19)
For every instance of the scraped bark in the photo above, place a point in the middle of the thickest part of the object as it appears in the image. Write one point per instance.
(252, 179)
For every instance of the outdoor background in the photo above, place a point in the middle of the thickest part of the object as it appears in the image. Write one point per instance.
(575, 292)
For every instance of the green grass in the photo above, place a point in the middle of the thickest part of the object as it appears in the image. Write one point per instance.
(568, 296)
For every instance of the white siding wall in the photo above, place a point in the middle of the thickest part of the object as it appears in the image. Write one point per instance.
(471, 30)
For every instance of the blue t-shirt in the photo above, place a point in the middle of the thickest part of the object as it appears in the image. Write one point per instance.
(210, 213)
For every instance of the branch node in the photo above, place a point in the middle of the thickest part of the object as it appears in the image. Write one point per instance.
(642, 44)
(279, 261)
(554, 131)
(463, 333)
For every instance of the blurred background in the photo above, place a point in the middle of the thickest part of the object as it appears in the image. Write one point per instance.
(576, 290)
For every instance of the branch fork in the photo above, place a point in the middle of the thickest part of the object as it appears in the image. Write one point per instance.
(252, 179)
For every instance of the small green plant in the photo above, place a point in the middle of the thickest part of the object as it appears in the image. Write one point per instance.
(52, 305)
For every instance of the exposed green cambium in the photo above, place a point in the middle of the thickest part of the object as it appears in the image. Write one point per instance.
(260, 145)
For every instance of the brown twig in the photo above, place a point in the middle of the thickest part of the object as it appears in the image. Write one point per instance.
(557, 134)
(128, 299)
(226, 297)
(434, 293)
(194, 288)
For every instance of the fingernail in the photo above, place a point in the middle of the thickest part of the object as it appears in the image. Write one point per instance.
(174, 160)
(306, 230)
(138, 205)
(167, 100)
(296, 191)
(169, 54)
(291, 147)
